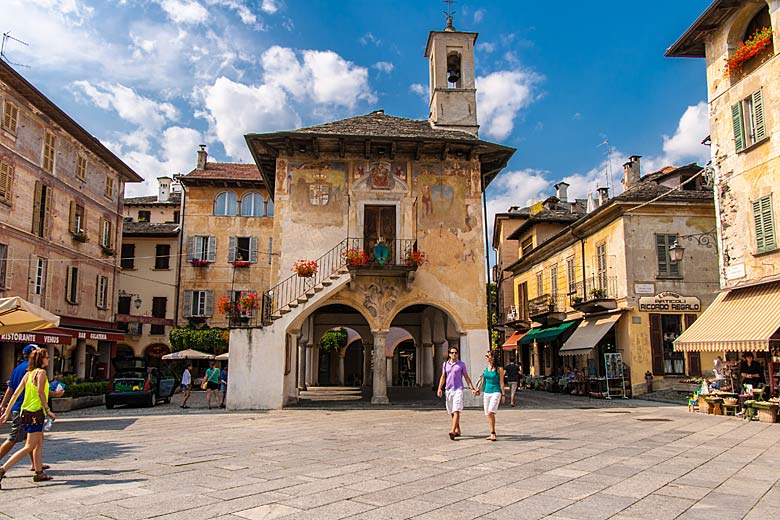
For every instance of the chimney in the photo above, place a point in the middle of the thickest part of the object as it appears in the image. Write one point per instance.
(603, 195)
(202, 156)
(631, 172)
(164, 189)
(561, 191)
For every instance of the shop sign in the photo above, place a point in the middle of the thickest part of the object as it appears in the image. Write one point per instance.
(668, 301)
(100, 336)
(150, 320)
(36, 337)
(644, 288)
(733, 272)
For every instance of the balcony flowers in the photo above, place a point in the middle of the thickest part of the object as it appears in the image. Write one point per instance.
(305, 268)
(415, 258)
(225, 305)
(355, 257)
(199, 262)
(598, 294)
(241, 263)
(80, 236)
(749, 49)
(248, 303)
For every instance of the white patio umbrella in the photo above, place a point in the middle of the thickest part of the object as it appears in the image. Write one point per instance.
(222, 357)
(19, 315)
(188, 354)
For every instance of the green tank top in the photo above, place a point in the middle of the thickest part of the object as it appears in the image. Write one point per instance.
(32, 401)
(491, 381)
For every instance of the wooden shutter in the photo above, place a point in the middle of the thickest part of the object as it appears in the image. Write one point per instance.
(187, 310)
(6, 181)
(232, 249)
(694, 358)
(212, 249)
(97, 292)
(72, 217)
(36, 220)
(47, 214)
(758, 116)
(739, 128)
(68, 282)
(83, 219)
(253, 250)
(7, 116)
(190, 248)
(31, 268)
(660, 248)
(768, 223)
(209, 303)
(657, 344)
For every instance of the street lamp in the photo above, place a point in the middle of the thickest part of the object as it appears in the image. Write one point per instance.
(676, 251)
(137, 301)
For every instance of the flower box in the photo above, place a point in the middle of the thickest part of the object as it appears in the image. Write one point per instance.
(415, 258)
(197, 262)
(241, 263)
(107, 251)
(355, 257)
(305, 268)
(749, 49)
(79, 236)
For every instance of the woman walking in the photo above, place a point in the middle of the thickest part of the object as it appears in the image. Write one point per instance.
(35, 409)
(494, 392)
(212, 384)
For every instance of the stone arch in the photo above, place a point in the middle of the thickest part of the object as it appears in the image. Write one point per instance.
(452, 316)
(741, 20)
(296, 324)
(395, 337)
(154, 353)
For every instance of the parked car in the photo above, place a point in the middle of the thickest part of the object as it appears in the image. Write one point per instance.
(135, 382)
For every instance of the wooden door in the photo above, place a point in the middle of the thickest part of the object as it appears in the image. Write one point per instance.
(379, 225)
(657, 344)
(694, 358)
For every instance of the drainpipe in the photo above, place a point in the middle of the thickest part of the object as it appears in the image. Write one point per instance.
(582, 245)
(181, 249)
(487, 263)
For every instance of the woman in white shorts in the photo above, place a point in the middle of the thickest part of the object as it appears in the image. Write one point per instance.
(493, 393)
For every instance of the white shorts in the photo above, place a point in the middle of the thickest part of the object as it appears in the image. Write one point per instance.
(454, 400)
(491, 402)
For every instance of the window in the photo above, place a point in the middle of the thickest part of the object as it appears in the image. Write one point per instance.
(41, 208)
(226, 205)
(144, 215)
(202, 248)
(39, 281)
(101, 293)
(162, 256)
(3, 266)
(10, 116)
(6, 181)
(601, 266)
(235, 296)
(748, 121)
(764, 224)
(109, 187)
(198, 304)
(269, 208)
(539, 283)
(665, 265)
(176, 216)
(252, 205)
(128, 256)
(159, 305)
(242, 249)
(72, 285)
(48, 152)
(454, 70)
(554, 281)
(106, 233)
(77, 218)
(526, 246)
(571, 275)
(81, 168)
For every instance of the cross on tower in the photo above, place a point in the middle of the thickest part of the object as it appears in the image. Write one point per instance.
(449, 12)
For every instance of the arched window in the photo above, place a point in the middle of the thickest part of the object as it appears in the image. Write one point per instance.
(226, 204)
(454, 71)
(760, 21)
(252, 205)
(269, 208)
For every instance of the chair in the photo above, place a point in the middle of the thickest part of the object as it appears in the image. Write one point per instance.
(693, 403)
(750, 411)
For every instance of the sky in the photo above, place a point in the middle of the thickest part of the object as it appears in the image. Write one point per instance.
(152, 79)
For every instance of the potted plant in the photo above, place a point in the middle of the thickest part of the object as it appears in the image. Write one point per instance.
(749, 49)
(80, 236)
(415, 258)
(225, 305)
(241, 263)
(108, 251)
(355, 257)
(598, 294)
(576, 300)
(305, 268)
(199, 262)
(248, 303)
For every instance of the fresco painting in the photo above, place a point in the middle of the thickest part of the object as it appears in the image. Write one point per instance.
(442, 198)
(317, 191)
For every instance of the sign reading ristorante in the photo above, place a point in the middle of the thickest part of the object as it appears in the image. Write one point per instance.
(37, 337)
(669, 301)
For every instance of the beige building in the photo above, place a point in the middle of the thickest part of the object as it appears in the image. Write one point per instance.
(604, 282)
(364, 197)
(60, 227)
(744, 103)
(150, 266)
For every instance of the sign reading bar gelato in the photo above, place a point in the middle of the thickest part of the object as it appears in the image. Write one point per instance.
(668, 301)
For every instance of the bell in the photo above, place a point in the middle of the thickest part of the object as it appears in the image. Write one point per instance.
(453, 76)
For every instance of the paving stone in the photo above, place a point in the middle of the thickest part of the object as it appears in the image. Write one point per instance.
(597, 507)
(267, 512)
(658, 507)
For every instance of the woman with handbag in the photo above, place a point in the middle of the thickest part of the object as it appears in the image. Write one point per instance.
(212, 384)
(493, 391)
(35, 409)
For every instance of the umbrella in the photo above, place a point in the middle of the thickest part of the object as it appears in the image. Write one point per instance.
(222, 357)
(188, 354)
(19, 315)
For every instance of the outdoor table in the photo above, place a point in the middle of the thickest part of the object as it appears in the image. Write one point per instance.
(714, 405)
(767, 412)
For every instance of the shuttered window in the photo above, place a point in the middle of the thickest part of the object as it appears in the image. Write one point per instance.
(48, 152)
(109, 191)
(72, 285)
(3, 265)
(554, 281)
(601, 266)
(162, 256)
(198, 304)
(101, 295)
(81, 168)
(665, 265)
(571, 275)
(10, 116)
(42, 199)
(764, 224)
(202, 248)
(128, 256)
(106, 233)
(747, 119)
(39, 282)
(6, 181)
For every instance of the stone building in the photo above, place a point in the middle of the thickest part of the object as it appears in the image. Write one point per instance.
(364, 197)
(744, 108)
(60, 226)
(150, 271)
(604, 282)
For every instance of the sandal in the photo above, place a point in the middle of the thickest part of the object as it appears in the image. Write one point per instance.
(492, 437)
(45, 466)
(2, 476)
(40, 476)
(452, 436)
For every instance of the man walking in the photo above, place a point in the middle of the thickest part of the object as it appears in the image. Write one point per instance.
(510, 374)
(452, 373)
(186, 384)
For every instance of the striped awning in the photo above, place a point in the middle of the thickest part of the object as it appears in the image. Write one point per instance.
(546, 334)
(738, 320)
(588, 334)
(511, 343)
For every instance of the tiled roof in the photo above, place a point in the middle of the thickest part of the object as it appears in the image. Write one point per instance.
(148, 229)
(151, 200)
(225, 171)
(648, 188)
(378, 124)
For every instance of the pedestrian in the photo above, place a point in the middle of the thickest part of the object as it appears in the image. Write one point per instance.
(511, 372)
(34, 411)
(186, 385)
(452, 373)
(493, 393)
(212, 383)
(17, 432)
(223, 375)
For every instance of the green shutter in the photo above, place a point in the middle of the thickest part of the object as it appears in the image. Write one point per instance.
(758, 225)
(768, 223)
(758, 116)
(660, 247)
(739, 133)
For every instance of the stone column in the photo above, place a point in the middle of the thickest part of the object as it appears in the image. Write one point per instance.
(439, 357)
(428, 373)
(81, 358)
(389, 371)
(303, 364)
(366, 364)
(379, 395)
(50, 368)
(340, 354)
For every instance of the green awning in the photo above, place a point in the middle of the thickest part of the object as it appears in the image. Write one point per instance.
(546, 334)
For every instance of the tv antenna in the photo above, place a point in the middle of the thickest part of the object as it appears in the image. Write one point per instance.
(7, 36)
(608, 168)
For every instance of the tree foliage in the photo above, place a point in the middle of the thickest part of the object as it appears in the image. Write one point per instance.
(212, 341)
(492, 294)
(334, 340)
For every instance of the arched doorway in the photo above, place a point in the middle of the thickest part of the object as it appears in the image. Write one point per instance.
(154, 353)
(405, 364)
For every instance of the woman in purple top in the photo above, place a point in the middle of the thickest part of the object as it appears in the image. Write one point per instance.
(452, 373)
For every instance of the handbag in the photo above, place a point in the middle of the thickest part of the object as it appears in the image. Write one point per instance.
(480, 386)
(29, 418)
(204, 384)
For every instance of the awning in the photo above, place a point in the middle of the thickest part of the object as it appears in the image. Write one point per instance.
(546, 334)
(99, 335)
(738, 320)
(588, 334)
(511, 343)
(39, 337)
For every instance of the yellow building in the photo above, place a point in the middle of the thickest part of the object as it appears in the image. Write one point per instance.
(604, 282)
(744, 107)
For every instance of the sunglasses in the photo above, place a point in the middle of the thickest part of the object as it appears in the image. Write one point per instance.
(453, 352)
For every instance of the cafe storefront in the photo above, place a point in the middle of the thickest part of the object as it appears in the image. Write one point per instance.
(11, 345)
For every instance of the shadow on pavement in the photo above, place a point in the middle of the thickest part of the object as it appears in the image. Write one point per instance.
(104, 424)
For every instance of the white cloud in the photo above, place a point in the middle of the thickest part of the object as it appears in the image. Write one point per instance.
(486, 47)
(514, 188)
(479, 15)
(384, 66)
(500, 97)
(685, 145)
(283, 69)
(270, 6)
(370, 38)
(184, 11)
(244, 12)
(419, 89)
(130, 106)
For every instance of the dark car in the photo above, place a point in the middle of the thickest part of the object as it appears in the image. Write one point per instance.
(135, 382)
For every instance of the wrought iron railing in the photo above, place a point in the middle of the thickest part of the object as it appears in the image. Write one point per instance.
(546, 303)
(362, 252)
(594, 288)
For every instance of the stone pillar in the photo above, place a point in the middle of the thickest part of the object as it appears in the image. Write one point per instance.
(81, 358)
(439, 357)
(428, 373)
(302, 365)
(366, 364)
(389, 371)
(340, 354)
(50, 368)
(7, 361)
(379, 395)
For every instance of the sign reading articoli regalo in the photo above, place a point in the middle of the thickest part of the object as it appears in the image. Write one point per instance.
(669, 302)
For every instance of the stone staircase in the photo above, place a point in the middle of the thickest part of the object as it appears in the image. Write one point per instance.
(316, 395)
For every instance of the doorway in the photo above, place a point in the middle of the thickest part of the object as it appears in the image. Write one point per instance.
(323, 371)
(674, 362)
(405, 364)
(379, 226)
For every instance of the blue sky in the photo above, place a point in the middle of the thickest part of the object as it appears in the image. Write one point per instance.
(154, 78)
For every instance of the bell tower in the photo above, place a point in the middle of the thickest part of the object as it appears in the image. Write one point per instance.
(453, 102)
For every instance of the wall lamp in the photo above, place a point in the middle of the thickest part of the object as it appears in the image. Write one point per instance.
(677, 252)
(136, 301)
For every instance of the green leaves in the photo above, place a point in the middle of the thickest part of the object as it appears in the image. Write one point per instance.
(333, 340)
(212, 341)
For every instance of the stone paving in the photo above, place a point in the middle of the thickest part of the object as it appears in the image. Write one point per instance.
(556, 458)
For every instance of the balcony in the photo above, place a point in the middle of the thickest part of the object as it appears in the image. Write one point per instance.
(510, 317)
(399, 257)
(597, 294)
(547, 309)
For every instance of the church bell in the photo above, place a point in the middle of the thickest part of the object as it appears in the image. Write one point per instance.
(453, 68)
